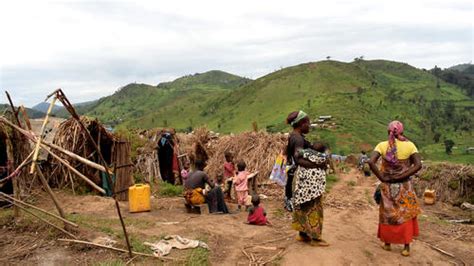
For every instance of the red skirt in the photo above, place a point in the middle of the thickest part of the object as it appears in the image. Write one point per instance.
(399, 234)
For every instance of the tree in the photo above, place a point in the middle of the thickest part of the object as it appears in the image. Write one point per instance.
(448, 145)
(436, 137)
(328, 57)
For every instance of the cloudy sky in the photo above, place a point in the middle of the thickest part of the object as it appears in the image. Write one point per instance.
(91, 48)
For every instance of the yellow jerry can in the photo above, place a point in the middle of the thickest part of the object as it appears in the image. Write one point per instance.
(429, 196)
(139, 198)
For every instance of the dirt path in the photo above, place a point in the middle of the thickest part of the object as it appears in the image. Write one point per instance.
(351, 231)
(350, 227)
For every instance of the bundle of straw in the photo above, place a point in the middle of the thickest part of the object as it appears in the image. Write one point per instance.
(453, 183)
(257, 149)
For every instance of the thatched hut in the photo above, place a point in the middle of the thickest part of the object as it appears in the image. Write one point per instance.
(14, 149)
(115, 151)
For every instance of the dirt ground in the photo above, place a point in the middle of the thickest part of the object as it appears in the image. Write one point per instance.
(350, 227)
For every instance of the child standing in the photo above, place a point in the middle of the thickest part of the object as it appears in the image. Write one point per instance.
(257, 214)
(240, 183)
(229, 172)
(185, 171)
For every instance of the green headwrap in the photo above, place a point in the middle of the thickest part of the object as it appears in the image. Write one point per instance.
(301, 116)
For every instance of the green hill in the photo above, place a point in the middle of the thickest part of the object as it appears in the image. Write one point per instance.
(361, 96)
(146, 106)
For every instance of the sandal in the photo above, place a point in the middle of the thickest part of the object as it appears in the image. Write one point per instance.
(319, 243)
(387, 247)
(405, 253)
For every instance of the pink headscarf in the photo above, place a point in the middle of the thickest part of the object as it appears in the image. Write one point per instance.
(395, 131)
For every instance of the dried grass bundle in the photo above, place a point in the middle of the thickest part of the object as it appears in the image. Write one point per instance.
(71, 137)
(257, 149)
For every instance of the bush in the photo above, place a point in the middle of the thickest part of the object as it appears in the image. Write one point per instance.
(168, 190)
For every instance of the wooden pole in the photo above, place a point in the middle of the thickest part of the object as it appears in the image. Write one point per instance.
(25, 117)
(40, 137)
(51, 193)
(60, 95)
(15, 112)
(38, 209)
(42, 219)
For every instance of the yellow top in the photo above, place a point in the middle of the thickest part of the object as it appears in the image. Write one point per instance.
(404, 149)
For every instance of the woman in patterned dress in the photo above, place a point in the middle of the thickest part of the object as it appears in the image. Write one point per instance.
(398, 206)
(306, 173)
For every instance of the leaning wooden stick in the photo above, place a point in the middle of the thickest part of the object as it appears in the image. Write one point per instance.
(19, 202)
(25, 116)
(40, 218)
(51, 193)
(40, 137)
(60, 95)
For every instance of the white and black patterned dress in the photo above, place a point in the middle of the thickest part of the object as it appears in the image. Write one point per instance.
(310, 182)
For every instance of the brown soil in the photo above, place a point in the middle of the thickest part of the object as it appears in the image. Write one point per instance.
(350, 227)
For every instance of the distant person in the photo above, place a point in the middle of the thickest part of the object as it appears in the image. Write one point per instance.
(257, 215)
(363, 163)
(166, 157)
(229, 172)
(241, 184)
(308, 209)
(399, 206)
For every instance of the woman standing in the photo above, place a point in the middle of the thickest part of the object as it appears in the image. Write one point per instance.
(308, 209)
(399, 205)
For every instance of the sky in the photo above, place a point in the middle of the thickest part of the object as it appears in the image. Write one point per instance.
(92, 48)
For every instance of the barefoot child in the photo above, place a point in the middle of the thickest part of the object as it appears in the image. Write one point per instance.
(257, 214)
(240, 182)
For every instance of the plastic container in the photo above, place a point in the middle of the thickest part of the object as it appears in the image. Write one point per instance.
(139, 198)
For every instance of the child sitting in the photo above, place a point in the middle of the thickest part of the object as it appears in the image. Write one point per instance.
(240, 182)
(257, 214)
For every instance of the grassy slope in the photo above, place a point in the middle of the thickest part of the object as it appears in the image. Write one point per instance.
(362, 96)
(174, 103)
(331, 88)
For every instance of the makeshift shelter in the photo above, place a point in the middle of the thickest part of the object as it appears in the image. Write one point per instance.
(115, 151)
(159, 155)
(14, 149)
